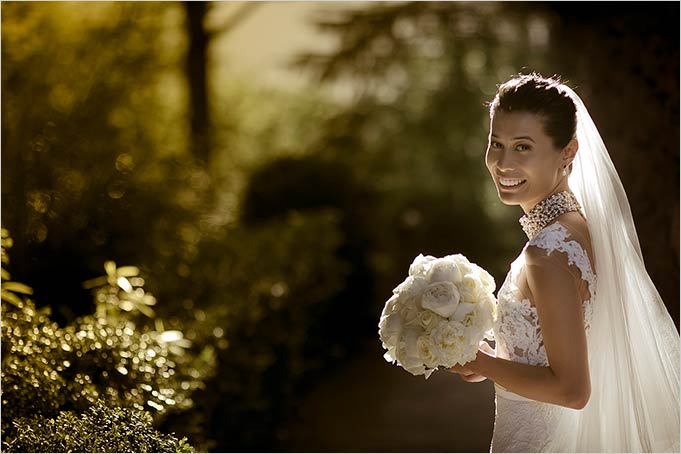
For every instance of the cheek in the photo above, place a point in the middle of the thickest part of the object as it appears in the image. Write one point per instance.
(489, 158)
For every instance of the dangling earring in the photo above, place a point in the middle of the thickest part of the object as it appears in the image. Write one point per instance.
(564, 171)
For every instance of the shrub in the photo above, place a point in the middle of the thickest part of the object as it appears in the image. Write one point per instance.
(99, 429)
(268, 283)
(100, 366)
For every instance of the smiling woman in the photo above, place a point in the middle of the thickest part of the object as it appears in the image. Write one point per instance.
(586, 356)
(530, 145)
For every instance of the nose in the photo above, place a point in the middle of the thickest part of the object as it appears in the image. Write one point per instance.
(504, 161)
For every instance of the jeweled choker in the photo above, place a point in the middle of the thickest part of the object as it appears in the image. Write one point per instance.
(547, 210)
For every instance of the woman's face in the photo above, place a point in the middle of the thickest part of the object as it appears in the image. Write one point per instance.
(525, 166)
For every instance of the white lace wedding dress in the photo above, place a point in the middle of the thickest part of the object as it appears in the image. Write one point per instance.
(521, 424)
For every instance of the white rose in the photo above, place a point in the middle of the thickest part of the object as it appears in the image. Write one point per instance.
(391, 306)
(407, 353)
(411, 287)
(481, 294)
(419, 370)
(447, 334)
(492, 302)
(428, 320)
(463, 312)
(444, 270)
(448, 339)
(487, 280)
(458, 259)
(485, 312)
(409, 311)
(420, 265)
(468, 353)
(389, 329)
(427, 352)
(469, 288)
(466, 267)
(441, 298)
(390, 355)
(473, 332)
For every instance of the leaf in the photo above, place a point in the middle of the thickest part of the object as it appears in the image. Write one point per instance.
(170, 336)
(110, 267)
(12, 298)
(96, 282)
(17, 287)
(128, 271)
(126, 305)
(146, 310)
(5, 274)
(149, 299)
(124, 283)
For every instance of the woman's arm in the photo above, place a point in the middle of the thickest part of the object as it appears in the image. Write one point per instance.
(559, 307)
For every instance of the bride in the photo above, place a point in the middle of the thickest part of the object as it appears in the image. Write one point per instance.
(586, 356)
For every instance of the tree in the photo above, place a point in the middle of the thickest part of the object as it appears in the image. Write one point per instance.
(196, 69)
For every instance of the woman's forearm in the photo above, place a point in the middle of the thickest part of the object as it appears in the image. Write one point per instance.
(534, 382)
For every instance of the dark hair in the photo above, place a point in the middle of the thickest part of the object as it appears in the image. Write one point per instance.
(544, 97)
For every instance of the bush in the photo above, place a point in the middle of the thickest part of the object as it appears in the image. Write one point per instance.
(99, 429)
(100, 365)
(267, 284)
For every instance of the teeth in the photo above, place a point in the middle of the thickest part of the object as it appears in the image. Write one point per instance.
(510, 182)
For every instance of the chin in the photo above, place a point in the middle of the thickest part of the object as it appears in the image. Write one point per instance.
(510, 202)
(508, 199)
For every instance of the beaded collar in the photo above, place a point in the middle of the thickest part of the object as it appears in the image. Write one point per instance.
(547, 210)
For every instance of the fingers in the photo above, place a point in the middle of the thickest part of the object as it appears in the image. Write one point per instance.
(459, 369)
(455, 369)
(467, 375)
(473, 378)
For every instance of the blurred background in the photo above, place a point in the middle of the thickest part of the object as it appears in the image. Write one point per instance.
(272, 169)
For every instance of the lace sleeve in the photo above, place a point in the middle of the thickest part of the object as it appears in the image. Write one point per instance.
(570, 255)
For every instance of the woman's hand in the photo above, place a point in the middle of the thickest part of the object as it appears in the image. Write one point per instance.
(466, 371)
(473, 378)
(467, 374)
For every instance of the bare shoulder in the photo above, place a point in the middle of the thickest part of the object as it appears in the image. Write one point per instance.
(577, 225)
(577, 229)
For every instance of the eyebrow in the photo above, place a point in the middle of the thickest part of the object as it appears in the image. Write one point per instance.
(516, 138)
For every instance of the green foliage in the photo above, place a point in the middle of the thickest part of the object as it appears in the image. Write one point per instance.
(268, 283)
(95, 170)
(32, 362)
(308, 184)
(99, 429)
(104, 359)
(416, 130)
(10, 289)
(91, 147)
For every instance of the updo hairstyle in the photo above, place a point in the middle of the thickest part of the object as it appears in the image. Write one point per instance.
(543, 97)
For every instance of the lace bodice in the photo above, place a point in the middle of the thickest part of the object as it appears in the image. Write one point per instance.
(522, 424)
(517, 332)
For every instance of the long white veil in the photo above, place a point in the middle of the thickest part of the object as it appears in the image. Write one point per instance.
(633, 343)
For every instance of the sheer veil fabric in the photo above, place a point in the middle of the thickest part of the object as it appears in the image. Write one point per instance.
(633, 343)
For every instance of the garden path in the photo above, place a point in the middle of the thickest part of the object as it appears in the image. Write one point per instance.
(370, 405)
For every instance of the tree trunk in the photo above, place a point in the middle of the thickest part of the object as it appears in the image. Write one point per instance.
(196, 70)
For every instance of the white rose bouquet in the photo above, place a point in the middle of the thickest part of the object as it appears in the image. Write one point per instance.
(438, 316)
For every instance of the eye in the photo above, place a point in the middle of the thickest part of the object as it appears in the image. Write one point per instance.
(494, 144)
(523, 147)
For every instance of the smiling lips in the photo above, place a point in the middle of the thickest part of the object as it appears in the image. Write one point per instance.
(511, 182)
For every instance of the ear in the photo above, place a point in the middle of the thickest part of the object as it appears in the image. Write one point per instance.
(570, 151)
